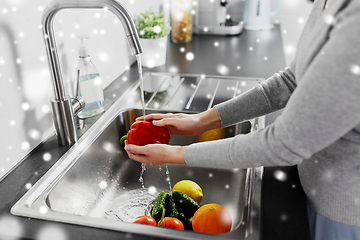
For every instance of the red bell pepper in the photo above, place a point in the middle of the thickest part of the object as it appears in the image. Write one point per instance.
(144, 132)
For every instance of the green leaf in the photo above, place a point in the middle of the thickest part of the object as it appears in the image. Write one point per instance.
(146, 22)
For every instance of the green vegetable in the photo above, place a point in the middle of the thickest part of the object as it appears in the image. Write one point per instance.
(123, 139)
(151, 25)
(162, 203)
(174, 212)
(185, 204)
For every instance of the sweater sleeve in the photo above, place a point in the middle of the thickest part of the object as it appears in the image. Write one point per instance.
(266, 97)
(323, 108)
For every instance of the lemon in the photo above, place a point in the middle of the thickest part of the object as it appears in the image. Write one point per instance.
(190, 188)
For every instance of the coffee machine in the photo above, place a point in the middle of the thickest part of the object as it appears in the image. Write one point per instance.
(217, 17)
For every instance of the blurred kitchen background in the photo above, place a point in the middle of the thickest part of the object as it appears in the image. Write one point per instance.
(25, 81)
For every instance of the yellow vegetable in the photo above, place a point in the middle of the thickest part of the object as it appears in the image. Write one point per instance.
(189, 188)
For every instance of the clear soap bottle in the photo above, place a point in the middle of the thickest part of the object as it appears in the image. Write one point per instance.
(90, 84)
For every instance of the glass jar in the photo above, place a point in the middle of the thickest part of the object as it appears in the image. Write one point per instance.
(181, 20)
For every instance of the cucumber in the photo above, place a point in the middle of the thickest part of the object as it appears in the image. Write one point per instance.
(174, 212)
(185, 204)
(162, 202)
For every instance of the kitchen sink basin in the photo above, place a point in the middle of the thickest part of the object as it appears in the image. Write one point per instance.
(95, 183)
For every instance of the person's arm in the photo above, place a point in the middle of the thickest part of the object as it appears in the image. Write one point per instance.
(266, 97)
(322, 109)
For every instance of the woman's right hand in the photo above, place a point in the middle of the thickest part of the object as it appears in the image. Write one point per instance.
(185, 124)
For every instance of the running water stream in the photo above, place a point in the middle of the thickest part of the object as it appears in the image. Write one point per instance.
(143, 166)
(133, 203)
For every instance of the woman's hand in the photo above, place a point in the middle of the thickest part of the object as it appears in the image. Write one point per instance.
(156, 154)
(185, 124)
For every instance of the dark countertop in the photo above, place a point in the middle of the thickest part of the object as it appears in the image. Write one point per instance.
(250, 54)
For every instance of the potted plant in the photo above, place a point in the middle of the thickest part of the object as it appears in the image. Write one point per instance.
(153, 35)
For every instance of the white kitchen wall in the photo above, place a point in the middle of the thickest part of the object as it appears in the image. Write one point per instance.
(25, 83)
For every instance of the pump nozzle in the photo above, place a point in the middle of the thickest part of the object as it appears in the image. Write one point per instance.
(82, 49)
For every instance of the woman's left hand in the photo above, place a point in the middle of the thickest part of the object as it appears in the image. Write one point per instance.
(156, 154)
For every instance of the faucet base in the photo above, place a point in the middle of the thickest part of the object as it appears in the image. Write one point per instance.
(63, 121)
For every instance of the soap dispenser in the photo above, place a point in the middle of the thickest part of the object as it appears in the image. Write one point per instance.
(89, 83)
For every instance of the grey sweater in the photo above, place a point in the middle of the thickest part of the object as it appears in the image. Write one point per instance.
(319, 128)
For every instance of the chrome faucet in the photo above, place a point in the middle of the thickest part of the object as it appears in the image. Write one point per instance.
(63, 106)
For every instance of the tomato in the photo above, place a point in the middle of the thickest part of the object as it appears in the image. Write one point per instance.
(147, 220)
(170, 222)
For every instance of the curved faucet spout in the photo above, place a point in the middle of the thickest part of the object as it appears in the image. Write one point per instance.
(63, 118)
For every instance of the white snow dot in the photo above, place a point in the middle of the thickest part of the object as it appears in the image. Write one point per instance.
(60, 34)
(283, 217)
(216, 44)
(124, 78)
(222, 69)
(77, 26)
(43, 210)
(208, 96)
(11, 226)
(25, 106)
(40, 8)
(103, 184)
(227, 186)
(210, 175)
(45, 109)
(12, 123)
(293, 186)
(157, 29)
(51, 231)
(18, 61)
(173, 69)
(102, 32)
(289, 49)
(152, 190)
(42, 58)
(205, 29)
(97, 15)
(47, 157)
(34, 134)
(238, 67)
(21, 34)
(182, 49)
(25, 146)
(103, 56)
(329, 19)
(28, 185)
(4, 11)
(280, 175)
(301, 20)
(251, 48)
(190, 56)
(265, 58)
(284, 31)
(2, 61)
(355, 69)
(257, 40)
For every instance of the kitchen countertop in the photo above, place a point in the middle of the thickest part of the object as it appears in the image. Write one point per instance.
(251, 54)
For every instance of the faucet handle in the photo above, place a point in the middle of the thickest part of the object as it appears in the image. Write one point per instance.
(78, 104)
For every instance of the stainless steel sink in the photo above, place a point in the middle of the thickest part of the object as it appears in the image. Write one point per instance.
(96, 184)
